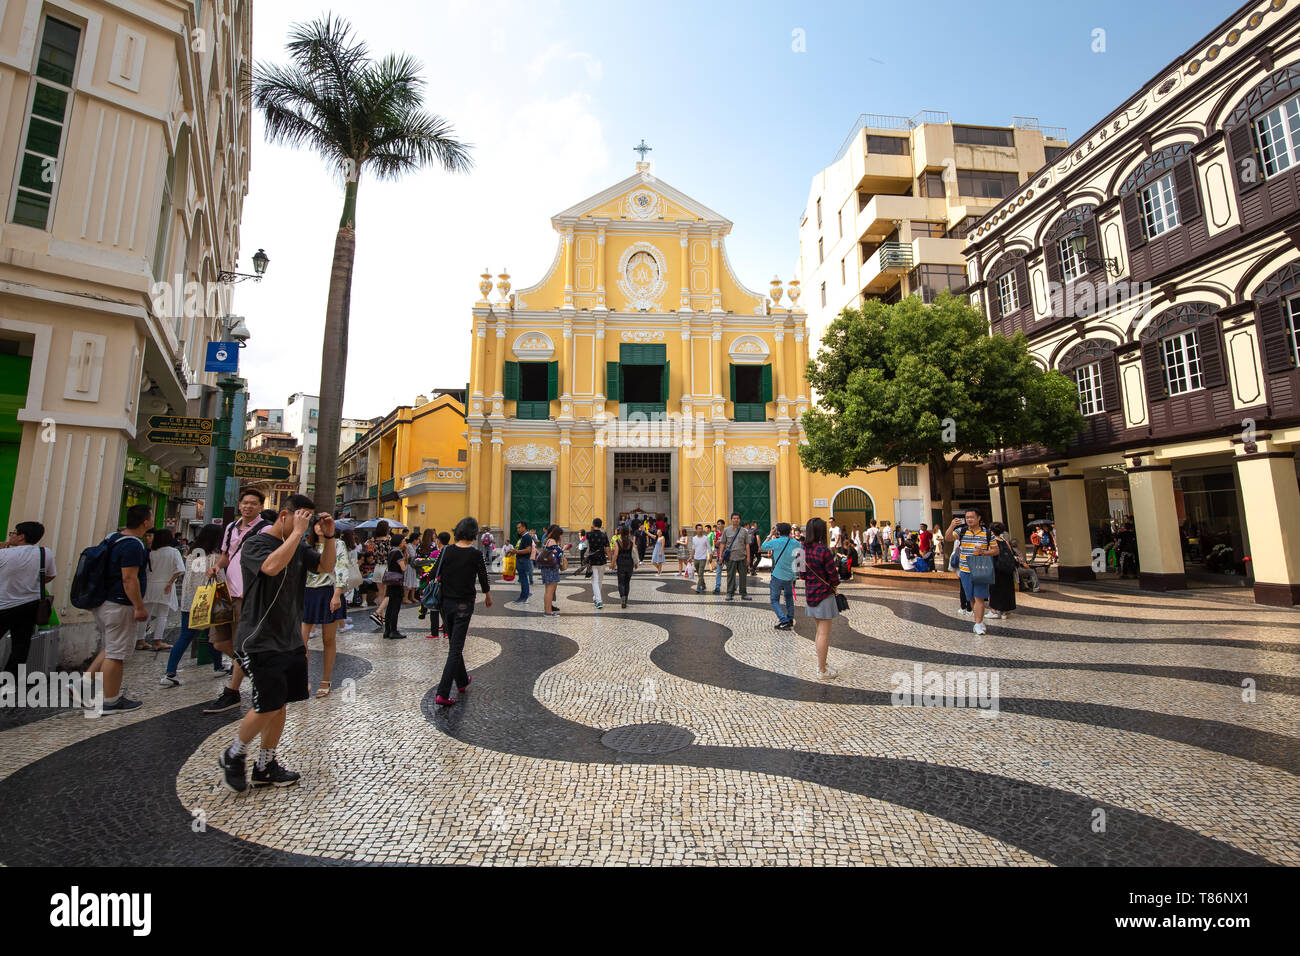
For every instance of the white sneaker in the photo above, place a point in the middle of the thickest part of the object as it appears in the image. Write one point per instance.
(827, 674)
(995, 615)
(964, 611)
(979, 627)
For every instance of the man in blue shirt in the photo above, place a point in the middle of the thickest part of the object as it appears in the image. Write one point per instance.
(524, 563)
(128, 566)
(782, 548)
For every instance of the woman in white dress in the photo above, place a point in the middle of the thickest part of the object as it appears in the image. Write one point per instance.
(166, 568)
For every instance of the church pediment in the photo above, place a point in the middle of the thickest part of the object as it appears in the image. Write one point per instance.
(641, 198)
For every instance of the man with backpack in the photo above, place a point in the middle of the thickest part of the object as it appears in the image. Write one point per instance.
(597, 545)
(783, 550)
(735, 552)
(524, 549)
(121, 566)
(250, 522)
(971, 538)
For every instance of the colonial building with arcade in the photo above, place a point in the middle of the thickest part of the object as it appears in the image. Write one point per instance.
(639, 375)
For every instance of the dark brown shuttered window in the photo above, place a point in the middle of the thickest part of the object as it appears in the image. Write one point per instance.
(1198, 317)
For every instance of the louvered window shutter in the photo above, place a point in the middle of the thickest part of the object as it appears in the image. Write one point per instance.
(613, 382)
(995, 300)
(1093, 252)
(663, 384)
(767, 384)
(1052, 256)
(1279, 352)
(1134, 230)
(1023, 298)
(732, 393)
(1246, 168)
(1211, 354)
(1189, 206)
(1153, 370)
(510, 382)
(1109, 368)
(552, 381)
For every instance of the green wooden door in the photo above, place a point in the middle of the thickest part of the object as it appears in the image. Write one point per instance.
(530, 501)
(751, 493)
(14, 373)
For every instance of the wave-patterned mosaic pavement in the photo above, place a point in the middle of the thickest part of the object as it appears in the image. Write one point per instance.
(1121, 733)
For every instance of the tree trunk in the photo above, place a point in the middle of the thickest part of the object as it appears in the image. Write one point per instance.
(941, 471)
(334, 356)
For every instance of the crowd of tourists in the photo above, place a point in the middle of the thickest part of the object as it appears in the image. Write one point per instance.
(257, 590)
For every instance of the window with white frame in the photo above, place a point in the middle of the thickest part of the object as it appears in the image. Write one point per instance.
(1088, 379)
(44, 129)
(1159, 207)
(1008, 294)
(1293, 327)
(1071, 261)
(1182, 363)
(1277, 133)
(907, 476)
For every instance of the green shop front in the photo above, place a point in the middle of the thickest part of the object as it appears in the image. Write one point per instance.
(145, 483)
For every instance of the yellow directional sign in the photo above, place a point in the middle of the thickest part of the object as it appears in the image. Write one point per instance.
(261, 471)
(175, 437)
(175, 423)
(261, 458)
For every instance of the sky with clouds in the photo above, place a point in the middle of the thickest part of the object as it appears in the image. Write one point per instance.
(553, 96)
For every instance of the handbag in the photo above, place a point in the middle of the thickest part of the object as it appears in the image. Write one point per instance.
(44, 603)
(841, 602)
(981, 568)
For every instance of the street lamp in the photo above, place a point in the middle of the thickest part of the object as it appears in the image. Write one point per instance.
(260, 259)
(1079, 246)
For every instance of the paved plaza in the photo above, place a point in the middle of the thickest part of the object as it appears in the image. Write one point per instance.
(1109, 729)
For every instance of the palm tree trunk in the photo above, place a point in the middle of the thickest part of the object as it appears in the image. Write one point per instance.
(334, 355)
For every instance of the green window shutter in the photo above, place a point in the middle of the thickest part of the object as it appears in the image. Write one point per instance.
(613, 382)
(767, 384)
(552, 380)
(732, 394)
(510, 382)
(632, 353)
(663, 385)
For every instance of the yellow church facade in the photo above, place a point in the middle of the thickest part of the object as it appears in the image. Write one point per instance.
(640, 376)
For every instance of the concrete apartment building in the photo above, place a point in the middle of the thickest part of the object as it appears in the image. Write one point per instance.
(890, 214)
(301, 417)
(125, 159)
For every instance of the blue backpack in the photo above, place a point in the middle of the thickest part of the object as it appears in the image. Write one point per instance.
(90, 582)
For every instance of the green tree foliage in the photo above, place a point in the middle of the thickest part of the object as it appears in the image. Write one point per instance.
(889, 375)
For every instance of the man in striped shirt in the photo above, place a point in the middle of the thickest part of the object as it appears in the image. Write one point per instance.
(971, 538)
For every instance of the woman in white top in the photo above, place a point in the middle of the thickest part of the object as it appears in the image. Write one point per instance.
(166, 567)
(323, 606)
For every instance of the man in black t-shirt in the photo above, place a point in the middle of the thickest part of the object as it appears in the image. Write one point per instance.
(269, 643)
(524, 549)
(597, 544)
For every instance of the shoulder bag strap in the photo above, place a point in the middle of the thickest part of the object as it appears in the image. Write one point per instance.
(834, 587)
(41, 550)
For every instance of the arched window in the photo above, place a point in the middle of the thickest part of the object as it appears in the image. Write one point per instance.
(1277, 314)
(1095, 372)
(1008, 286)
(177, 166)
(1263, 133)
(1181, 351)
(1065, 262)
(1160, 196)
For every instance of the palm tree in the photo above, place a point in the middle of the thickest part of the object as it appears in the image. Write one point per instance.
(360, 115)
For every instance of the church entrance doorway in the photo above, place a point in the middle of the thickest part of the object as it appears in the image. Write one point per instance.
(643, 487)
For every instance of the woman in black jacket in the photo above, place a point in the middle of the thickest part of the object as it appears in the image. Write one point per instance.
(625, 562)
(462, 563)
(1002, 592)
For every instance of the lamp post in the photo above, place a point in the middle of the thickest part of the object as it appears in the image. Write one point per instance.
(260, 259)
(1079, 246)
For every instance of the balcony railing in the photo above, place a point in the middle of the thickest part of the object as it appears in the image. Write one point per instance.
(893, 255)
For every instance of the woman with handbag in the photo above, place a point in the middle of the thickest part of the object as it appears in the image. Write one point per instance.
(394, 586)
(820, 577)
(204, 555)
(973, 559)
(381, 542)
(626, 560)
(166, 568)
(551, 562)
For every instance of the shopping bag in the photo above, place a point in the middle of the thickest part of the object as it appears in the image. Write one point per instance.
(201, 607)
(223, 609)
(981, 568)
(508, 567)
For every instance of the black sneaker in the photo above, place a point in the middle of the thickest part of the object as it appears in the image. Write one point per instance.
(746, 597)
(234, 774)
(273, 775)
(227, 700)
(394, 636)
(122, 705)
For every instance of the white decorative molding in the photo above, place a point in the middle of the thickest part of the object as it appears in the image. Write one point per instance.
(643, 204)
(531, 454)
(643, 335)
(534, 346)
(749, 350)
(751, 455)
(641, 275)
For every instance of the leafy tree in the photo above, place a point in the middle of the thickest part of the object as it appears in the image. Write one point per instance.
(361, 115)
(888, 377)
